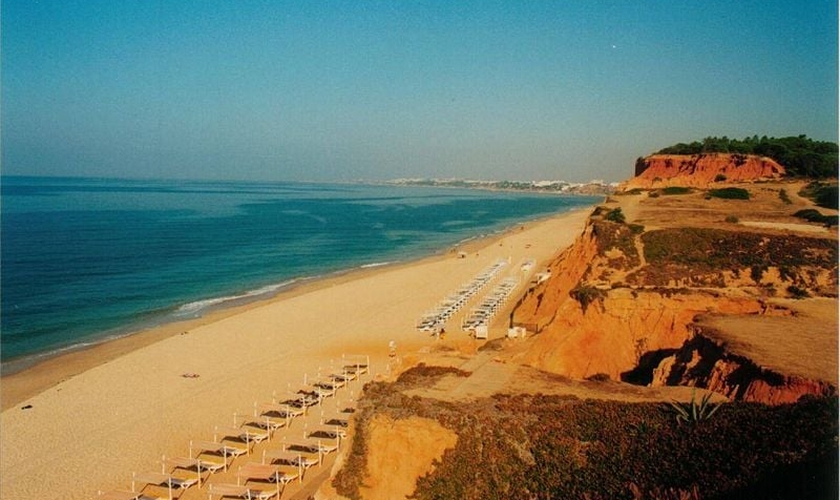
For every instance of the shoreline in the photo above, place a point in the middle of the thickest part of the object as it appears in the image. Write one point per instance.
(77, 300)
(122, 406)
(18, 386)
(39, 375)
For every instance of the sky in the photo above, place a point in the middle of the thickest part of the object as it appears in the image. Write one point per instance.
(372, 90)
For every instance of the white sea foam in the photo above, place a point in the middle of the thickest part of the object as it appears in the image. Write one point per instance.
(194, 308)
(375, 264)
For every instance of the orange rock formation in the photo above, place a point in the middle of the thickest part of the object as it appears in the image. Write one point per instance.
(418, 442)
(703, 362)
(657, 171)
(620, 329)
(609, 335)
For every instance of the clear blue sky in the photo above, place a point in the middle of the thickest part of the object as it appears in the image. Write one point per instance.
(321, 90)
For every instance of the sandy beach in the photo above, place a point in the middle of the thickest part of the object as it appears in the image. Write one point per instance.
(85, 421)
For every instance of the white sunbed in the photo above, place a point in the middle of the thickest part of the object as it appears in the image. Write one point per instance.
(337, 380)
(344, 377)
(302, 401)
(266, 473)
(312, 447)
(123, 495)
(161, 480)
(245, 492)
(221, 450)
(296, 459)
(319, 392)
(279, 411)
(190, 466)
(334, 421)
(358, 364)
(238, 440)
(255, 428)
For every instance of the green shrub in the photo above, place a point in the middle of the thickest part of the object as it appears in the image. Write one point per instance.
(813, 215)
(720, 178)
(731, 219)
(827, 197)
(784, 197)
(824, 195)
(636, 228)
(730, 193)
(798, 293)
(809, 214)
(615, 215)
(694, 412)
(587, 294)
(675, 190)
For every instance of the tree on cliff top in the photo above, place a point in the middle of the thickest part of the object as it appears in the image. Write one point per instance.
(801, 156)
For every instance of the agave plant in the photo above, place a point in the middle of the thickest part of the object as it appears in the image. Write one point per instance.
(694, 411)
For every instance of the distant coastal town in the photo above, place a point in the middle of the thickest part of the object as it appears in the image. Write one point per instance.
(594, 187)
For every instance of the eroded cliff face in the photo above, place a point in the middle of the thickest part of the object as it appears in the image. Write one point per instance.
(703, 362)
(541, 305)
(594, 315)
(615, 332)
(418, 442)
(657, 171)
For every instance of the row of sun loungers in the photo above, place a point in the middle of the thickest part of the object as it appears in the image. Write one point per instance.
(435, 318)
(278, 466)
(484, 312)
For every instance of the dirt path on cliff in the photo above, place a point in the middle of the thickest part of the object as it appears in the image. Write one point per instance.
(630, 206)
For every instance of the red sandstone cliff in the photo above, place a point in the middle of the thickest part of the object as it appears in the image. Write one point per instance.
(588, 322)
(657, 171)
(704, 362)
(611, 333)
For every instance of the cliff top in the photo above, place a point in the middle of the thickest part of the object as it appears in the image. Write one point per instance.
(702, 170)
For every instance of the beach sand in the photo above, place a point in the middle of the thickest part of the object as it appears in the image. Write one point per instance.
(85, 421)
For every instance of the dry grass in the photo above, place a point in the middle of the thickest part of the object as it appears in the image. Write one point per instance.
(694, 209)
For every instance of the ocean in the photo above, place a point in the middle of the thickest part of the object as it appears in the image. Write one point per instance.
(83, 260)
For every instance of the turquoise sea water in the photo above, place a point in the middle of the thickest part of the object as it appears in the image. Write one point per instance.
(88, 259)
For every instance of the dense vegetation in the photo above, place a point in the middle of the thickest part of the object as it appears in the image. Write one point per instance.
(812, 215)
(700, 254)
(675, 190)
(721, 249)
(801, 156)
(616, 235)
(547, 447)
(587, 294)
(824, 195)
